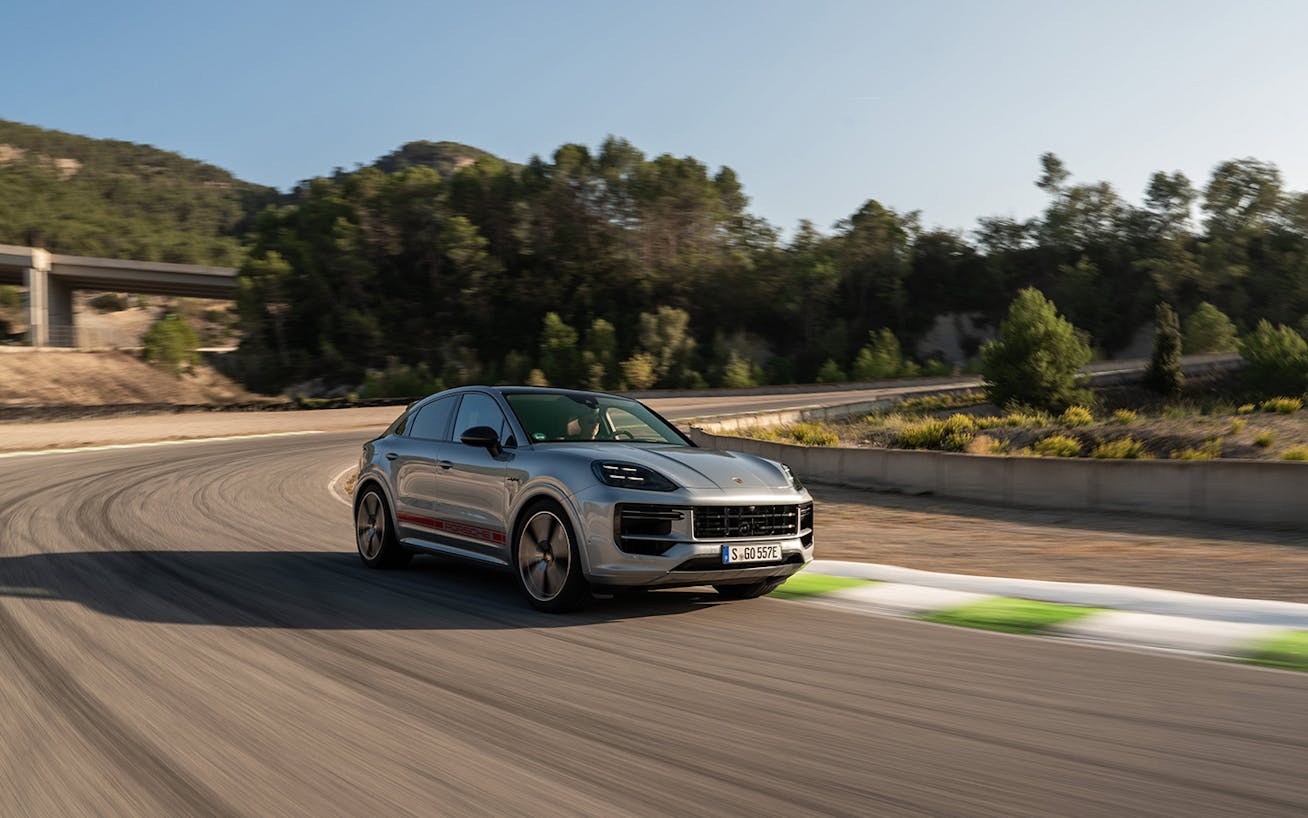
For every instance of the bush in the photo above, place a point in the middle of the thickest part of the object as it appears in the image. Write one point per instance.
(1210, 450)
(537, 378)
(813, 434)
(1282, 406)
(1057, 446)
(1276, 360)
(925, 434)
(170, 344)
(1037, 357)
(1126, 448)
(1263, 440)
(400, 380)
(738, 373)
(1236, 427)
(638, 371)
(1164, 374)
(107, 302)
(1295, 453)
(830, 372)
(932, 403)
(1076, 416)
(1123, 416)
(1246, 408)
(1208, 330)
(882, 358)
(11, 297)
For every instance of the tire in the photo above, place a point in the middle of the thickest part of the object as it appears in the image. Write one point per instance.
(750, 590)
(374, 536)
(547, 560)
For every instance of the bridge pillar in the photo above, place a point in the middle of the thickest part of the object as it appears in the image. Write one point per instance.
(37, 280)
(59, 311)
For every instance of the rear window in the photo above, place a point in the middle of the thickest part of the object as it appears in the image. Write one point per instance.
(433, 420)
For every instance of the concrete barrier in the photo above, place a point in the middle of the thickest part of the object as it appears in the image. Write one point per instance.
(1234, 491)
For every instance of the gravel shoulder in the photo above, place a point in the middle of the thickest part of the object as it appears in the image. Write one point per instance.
(952, 536)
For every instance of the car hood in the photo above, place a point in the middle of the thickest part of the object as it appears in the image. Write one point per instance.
(696, 468)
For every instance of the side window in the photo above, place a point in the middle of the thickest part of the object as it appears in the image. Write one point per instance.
(433, 420)
(401, 423)
(480, 409)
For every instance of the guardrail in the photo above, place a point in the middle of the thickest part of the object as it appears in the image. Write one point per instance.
(1265, 493)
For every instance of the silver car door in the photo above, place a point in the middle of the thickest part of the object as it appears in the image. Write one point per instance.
(475, 490)
(416, 471)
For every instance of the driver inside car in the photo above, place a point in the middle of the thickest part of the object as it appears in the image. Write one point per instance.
(585, 426)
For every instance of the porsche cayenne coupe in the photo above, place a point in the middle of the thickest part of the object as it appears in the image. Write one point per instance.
(576, 492)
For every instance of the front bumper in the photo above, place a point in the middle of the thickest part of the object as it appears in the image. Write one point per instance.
(688, 560)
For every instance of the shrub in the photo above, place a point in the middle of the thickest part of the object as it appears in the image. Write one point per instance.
(830, 372)
(1164, 374)
(170, 344)
(1263, 440)
(1037, 357)
(1123, 416)
(107, 302)
(1276, 360)
(881, 358)
(925, 434)
(812, 434)
(399, 380)
(1058, 446)
(537, 378)
(1236, 427)
(1076, 416)
(1209, 330)
(11, 297)
(1126, 448)
(932, 403)
(1210, 450)
(738, 372)
(637, 371)
(1282, 406)
(1295, 453)
(1246, 408)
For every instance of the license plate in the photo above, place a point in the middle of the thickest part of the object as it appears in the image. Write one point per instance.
(768, 552)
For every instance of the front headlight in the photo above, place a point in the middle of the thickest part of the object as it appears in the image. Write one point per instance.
(790, 475)
(630, 476)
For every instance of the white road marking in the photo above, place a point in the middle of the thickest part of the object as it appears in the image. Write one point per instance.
(112, 446)
(331, 485)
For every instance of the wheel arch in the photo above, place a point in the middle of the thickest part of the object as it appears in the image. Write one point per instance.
(564, 501)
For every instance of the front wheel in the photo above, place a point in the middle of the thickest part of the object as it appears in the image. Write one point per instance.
(749, 590)
(373, 536)
(546, 560)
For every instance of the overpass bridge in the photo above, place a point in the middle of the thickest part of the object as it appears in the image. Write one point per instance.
(50, 280)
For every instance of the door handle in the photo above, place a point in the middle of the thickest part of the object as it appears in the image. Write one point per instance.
(445, 464)
(391, 455)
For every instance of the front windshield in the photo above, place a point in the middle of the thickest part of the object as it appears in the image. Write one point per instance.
(556, 417)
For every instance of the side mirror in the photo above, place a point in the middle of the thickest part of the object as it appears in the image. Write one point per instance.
(483, 437)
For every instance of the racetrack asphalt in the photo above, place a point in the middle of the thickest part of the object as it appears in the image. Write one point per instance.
(187, 630)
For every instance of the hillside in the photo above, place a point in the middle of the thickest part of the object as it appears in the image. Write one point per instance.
(104, 197)
(65, 377)
(444, 157)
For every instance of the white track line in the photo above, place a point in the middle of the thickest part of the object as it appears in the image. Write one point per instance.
(331, 485)
(112, 446)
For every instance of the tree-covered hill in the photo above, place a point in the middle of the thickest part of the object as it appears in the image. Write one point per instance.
(443, 157)
(103, 197)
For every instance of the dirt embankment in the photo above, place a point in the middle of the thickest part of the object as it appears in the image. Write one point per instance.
(30, 377)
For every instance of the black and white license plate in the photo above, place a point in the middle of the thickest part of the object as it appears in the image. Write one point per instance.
(753, 552)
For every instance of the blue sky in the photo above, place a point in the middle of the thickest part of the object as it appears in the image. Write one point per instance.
(941, 107)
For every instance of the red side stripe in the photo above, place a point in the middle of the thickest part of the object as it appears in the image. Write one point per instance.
(472, 532)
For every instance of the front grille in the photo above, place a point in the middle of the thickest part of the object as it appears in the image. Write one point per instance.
(722, 522)
(638, 528)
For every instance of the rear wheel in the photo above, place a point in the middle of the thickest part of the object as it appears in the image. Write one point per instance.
(546, 559)
(373, 535)
(749, 590)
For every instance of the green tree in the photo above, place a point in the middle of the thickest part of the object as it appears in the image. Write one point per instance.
(830, 372)
(737, 373)
(638, 371)
(1208, 330)
(170, 344)
(1276, 360)
(880, 359)
(1037, 357)
(559, 358)
(665, 336)
(599, 355)
(1164, 374)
